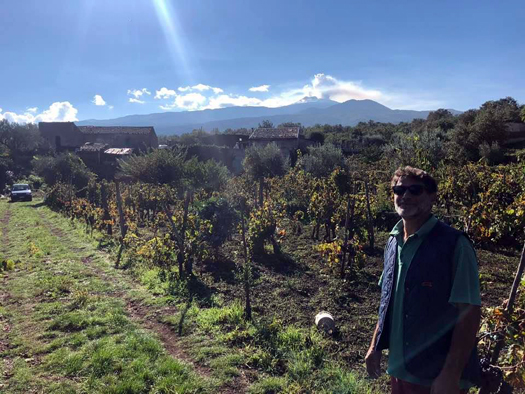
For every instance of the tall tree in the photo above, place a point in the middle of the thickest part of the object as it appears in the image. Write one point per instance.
(265, 162)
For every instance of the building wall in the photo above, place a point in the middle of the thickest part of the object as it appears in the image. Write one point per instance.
(70, 137)
(286, 146)
(135, 141)
(61, 135)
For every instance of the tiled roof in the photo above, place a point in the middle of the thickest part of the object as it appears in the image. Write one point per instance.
(118, 151)
(275, 133)
(93, 147)
(114, 130)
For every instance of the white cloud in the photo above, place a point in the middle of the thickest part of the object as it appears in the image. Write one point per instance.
(32, 110)
(57, 112)
(190, 102)
(225, 100)
(17, 118)
(262, 88)
(321, 86)
(137, 93)
(201, 88)
(137, 101)
(326, 86)
(98, 100)
(165, 93)
(111, 106)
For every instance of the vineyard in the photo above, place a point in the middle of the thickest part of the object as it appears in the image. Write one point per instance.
(250, 261)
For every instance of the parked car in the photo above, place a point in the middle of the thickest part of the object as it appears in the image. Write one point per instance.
(21, 192)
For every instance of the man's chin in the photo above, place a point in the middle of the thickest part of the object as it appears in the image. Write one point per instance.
(407, 213)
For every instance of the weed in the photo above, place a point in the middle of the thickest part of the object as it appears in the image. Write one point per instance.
(212, 318)
(269, 385)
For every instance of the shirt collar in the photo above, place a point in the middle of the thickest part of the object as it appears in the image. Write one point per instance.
(423, 230)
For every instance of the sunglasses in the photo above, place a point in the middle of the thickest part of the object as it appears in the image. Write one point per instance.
(415, 190)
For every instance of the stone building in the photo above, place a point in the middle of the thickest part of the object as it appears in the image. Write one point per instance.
(288, 139)
(68, 136)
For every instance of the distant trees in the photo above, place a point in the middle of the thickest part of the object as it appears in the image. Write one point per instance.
(266, 124)
(290, 124)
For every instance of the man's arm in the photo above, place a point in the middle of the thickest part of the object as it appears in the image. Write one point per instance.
(463, 341)
(373, 357)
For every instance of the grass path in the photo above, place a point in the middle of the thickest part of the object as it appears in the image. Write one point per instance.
(71, 323)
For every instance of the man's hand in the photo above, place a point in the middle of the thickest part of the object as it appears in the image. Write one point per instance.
(373, 363)
(445, 384)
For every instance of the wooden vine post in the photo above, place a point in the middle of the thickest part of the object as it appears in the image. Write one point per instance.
(371, 237)
(510, 305)
(350, 208)
(188, 266)
(122, 221)
(246, 271)
(105, 207)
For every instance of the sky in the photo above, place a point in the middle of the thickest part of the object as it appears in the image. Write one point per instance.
(63, 60)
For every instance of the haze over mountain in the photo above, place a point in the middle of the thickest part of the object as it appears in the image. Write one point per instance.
(307, 111)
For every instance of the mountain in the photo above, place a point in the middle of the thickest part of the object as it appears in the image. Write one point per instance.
(308, 111)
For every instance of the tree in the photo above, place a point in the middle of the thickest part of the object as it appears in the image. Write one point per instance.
(322, 160)
(485, 126)
(222, 218)
(65, 168)
(209, 175)
(19, 143)
(424, 149)
(506, 109)
(266, 124)
(317, 137)
(442, 119)
(264, 162)
(161, 166)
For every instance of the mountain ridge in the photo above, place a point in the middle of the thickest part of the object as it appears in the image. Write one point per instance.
(307, 111)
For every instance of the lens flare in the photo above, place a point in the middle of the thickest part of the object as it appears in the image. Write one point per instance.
(173, 33)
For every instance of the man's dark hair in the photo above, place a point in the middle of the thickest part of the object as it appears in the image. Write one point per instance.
(417, 174)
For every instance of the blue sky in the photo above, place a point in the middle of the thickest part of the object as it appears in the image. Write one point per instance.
(82, 59)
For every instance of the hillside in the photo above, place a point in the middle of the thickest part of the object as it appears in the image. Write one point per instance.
(308, 112)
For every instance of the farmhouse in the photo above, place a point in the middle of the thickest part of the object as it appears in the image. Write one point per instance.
(288, 139)
(64, 136)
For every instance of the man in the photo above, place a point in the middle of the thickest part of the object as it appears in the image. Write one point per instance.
(430, 300)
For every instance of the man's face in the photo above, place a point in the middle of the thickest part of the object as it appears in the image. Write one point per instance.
(410, 206)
